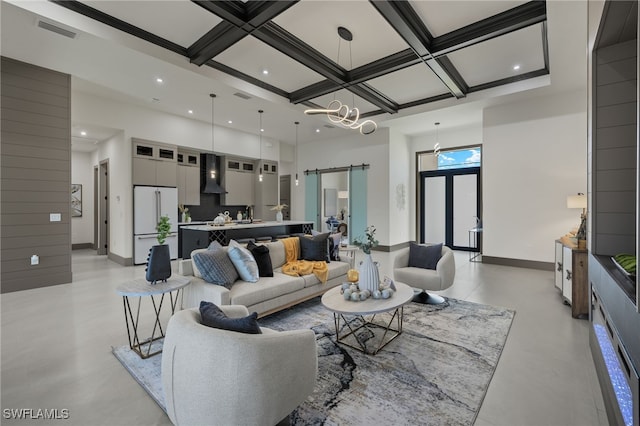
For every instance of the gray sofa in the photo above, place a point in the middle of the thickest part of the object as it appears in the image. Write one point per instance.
(269, 294)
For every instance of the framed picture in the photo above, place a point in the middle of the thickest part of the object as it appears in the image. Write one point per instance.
(76, 200)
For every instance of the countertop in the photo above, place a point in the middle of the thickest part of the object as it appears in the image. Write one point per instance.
(233, 225)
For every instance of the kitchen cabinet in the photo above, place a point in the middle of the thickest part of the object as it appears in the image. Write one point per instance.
(188, 178)
(267, 191)
(238, 179)
(154, 163)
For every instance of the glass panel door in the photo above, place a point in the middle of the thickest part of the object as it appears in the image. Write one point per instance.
(434, 204)
(465, 209)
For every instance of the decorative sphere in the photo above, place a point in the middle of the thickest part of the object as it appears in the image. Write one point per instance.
(354, 287)
(346, 286)
(355, 296)
(385, 293)
(390, 290)
(363, 295)
(377, 294)
(368, 293)
(347, 294)
(353, 275)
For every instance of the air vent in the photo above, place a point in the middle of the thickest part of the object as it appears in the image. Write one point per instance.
(242, 95)
(329, 126)
(58, 30)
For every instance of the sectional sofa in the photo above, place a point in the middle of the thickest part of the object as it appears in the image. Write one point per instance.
(268, 294)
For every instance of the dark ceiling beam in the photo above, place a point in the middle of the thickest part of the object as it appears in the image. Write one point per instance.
(239, 20)
(401, 16)
(245, 77)
(511, 20)
(99, 16)
(375, 97)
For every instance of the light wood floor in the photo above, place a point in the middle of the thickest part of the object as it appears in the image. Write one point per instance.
(56, 349)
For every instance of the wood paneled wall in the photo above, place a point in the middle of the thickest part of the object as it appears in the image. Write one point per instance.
(614, 154)
(36, 176)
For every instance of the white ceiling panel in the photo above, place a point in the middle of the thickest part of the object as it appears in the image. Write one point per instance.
(346, 98)
(372, 36)
(251, 56)
(410, 84)
(495, 59)
(182, 21)
(444, 16)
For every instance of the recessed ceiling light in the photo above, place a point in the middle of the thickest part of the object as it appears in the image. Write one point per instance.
(83, 133)
(190, 111)
(230, 121)
(516, 67)
(317, 130)
(265, 72)
(159, 80)
(262, 130)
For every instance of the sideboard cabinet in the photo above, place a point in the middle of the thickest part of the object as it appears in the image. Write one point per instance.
(571, 276)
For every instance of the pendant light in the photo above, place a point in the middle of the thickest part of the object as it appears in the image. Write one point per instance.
(436, 147)
(212, 172)
(295, 152)
(261, 165)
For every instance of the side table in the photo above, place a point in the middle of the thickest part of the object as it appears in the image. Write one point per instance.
(140, 288)
(350, 254)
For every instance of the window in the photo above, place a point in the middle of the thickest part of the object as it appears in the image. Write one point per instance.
(450, 159)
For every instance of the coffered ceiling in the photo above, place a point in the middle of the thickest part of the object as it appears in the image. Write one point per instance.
(405, 57)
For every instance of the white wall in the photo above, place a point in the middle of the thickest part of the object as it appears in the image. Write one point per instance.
(402, 203)
(352, 150)
(82, 173)
(534, 156)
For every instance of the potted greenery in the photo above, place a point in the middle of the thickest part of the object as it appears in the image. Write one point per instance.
(159, 260)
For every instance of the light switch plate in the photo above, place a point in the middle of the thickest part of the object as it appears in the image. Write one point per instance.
(55, 217)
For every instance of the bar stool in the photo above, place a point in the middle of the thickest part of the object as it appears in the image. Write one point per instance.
(265, 239)
(245, 240)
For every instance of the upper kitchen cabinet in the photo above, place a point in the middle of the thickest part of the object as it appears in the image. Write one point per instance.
(267, 190)
(188, 177)
(154, 163)
(238, 180)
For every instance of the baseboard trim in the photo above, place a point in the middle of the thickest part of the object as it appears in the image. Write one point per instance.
(518, 263)
(124, 261)
(81, 246)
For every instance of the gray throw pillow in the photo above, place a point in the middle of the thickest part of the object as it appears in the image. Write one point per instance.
(425, 257)
(216, 267)
(244, 262)
(314, 248)
(212, 316)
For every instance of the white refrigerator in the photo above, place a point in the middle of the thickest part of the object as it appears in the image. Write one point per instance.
(149, 203)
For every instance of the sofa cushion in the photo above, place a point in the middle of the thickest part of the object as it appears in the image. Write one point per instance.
(216, 267)
(314, 248)
(425, 257)
(333, 244)
(276, 252)
(336, 269)
(212, 316)
(248, 294)
(244, 262)
(263, 259)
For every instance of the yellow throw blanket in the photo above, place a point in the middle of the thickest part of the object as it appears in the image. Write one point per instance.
(297, 268)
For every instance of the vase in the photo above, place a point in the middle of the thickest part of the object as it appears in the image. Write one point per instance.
(279, 216)
(369, 276)
(158, 264)
(184, 217)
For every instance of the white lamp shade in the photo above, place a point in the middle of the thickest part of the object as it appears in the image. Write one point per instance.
(343, 194)
(577, 201)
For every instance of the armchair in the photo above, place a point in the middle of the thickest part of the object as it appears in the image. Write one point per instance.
(426, 279)
(219, 377)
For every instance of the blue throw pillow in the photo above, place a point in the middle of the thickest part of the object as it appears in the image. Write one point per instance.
(425, 257)
(212, 316)
(244, 262)
(216, 267)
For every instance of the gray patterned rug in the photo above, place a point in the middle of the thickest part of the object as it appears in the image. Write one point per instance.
(437, 372)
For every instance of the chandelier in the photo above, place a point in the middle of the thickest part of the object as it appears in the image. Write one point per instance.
(340, 113)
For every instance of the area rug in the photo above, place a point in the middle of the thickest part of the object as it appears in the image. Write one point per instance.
(437, 372)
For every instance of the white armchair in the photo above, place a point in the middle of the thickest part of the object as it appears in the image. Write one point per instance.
(426, 279)
(219, 377)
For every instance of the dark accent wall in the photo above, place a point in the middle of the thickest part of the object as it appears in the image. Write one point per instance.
(614, 153)
(35, 148)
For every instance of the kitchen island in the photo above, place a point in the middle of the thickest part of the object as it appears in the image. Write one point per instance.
(200, 236)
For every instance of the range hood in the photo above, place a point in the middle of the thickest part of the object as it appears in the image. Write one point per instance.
(211, 186)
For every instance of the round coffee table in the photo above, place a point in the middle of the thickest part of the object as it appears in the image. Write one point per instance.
(334, 301)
